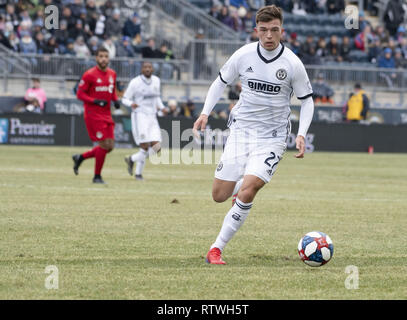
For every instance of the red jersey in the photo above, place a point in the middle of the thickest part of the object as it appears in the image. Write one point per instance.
(97, 84)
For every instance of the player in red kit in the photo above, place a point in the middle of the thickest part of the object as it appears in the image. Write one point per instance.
(97, 89)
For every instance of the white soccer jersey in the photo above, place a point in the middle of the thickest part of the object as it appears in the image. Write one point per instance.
(145, 93)
(267, 86)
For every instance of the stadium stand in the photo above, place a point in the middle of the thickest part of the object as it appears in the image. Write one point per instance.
(314, 31)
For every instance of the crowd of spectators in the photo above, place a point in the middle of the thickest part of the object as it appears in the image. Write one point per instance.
(383, 46)
(82, 28)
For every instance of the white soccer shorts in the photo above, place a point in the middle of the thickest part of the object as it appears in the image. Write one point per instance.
(245, 157)
(145, 127)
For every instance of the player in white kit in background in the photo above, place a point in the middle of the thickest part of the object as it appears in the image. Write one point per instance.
(143, 96)
(260, 121)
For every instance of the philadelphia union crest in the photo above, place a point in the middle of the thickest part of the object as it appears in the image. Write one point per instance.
(281, 74)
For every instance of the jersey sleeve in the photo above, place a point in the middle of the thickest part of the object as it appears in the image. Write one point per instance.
(159, 102)
(128, 96)
(83, 88)
(300, 82)
(229, 72)
(114, 95)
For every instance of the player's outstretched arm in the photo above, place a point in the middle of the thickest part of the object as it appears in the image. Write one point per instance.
(214, 94)
(307, 112)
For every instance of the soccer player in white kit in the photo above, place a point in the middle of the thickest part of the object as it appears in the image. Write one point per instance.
(260, 121)
(143, 96)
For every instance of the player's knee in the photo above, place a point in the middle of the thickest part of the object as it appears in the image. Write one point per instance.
(219, 196)
(248, 192)
(156, 147)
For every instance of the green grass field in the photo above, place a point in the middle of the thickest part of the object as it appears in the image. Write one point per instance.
(126, 240)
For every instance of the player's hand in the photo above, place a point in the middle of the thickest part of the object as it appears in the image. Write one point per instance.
(200, 123)
(117, 104)
(300, 145)
(100, 103)
(134, 106)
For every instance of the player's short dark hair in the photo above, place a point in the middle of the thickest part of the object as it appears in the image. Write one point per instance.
(269, 13)
(358, 86)
(146, 62)
(101, 49)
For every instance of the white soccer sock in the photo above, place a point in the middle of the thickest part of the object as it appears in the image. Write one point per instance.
(140, 159)
(141, 155)
(232, 222)
(237, 186)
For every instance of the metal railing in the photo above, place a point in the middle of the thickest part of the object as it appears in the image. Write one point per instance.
(67, 67)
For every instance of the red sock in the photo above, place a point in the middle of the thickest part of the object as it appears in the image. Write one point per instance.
(90, 153)
(100, 155)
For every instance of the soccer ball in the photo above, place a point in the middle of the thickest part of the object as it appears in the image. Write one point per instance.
(315, 248)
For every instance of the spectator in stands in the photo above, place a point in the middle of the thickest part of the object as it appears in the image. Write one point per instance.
(68, 17)
(110, 46)
(225, 17)
(70, 48)
(323, 93)
(93, 45)
(364, 39)
(132, 26)
(403, 47)
(307, 46)
(357, 106)
(107, 8)
(294, 44)
(214, 10)
(52, 46)
(174, 109)
(164, 52)
(39, 18)
(150, 50)
(80, 48)
(91, 7)
(113, 25)
(77, 31)
(100, 26)
(27, 44)
(249, 21)
(387, 61)
(61, 35)
(14, 42)
(375, 51)
(188, 109)
(321, 50)
(5, 41)
(393, 16)
(335, 6)
(24, 16)
(11, 16)
(124, 48)
(35, 97)
(401, 33)
(76, 6)
(333, 49)
(382, 34)
(400, 61)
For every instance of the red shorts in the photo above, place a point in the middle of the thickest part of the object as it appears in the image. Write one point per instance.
(99, 130)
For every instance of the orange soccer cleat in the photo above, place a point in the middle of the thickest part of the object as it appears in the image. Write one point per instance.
(214, 256)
